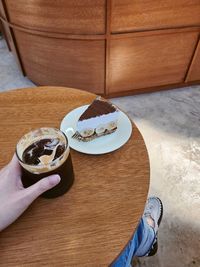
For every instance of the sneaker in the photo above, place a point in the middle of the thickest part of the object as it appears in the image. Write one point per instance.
(153, 215)
(154, 209)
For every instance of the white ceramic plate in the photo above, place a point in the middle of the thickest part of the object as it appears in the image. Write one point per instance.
(100, 145)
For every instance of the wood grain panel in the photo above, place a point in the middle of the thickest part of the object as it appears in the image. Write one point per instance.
(89, 225)
(147, 61)
(77, 17)
(194, 71)
(73, 63)
(132, 15)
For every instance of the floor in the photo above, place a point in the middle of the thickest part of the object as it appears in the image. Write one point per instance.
(170, 124)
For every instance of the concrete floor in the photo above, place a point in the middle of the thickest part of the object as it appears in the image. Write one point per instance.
(170, 124)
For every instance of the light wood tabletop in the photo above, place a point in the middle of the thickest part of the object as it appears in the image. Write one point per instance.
(92, 223)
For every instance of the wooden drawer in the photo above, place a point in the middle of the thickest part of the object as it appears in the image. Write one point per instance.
(134, 15)
(76, 17)
(62, 62)
(150, 60)
(194, 71)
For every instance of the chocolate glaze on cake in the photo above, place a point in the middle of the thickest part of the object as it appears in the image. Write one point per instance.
(97, 108)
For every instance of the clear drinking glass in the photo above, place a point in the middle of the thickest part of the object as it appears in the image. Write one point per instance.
(39, 143)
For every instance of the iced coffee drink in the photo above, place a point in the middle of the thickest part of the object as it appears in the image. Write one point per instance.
(44, 152)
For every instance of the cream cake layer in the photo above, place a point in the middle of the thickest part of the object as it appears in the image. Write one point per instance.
(95, 122)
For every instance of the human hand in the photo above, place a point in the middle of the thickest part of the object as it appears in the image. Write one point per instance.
(14, 198)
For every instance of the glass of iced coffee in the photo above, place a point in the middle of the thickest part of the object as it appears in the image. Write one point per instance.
(43, 152)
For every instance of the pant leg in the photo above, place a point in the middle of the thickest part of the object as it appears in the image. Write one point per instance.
(142, 240)
(148, 237)
(124, 259)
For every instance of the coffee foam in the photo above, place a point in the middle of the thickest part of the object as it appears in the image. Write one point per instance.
(36, 135)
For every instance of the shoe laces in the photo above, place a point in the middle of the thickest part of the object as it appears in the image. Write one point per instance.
(148, 210)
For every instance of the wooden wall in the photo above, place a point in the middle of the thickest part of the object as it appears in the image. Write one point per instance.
(113, 47)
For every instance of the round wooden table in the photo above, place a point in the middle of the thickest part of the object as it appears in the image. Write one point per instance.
(92, 223)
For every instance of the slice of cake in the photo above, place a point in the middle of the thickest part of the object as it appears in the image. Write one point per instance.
(100, 118)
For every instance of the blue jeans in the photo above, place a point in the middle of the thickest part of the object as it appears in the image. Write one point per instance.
(139, 245)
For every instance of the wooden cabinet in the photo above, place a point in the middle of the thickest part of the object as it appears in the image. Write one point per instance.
(150, 60)
(134, 15)
(77, 63)
(108, 47)
(194, 71)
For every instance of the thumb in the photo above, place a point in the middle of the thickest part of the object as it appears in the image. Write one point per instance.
(41, 186)
(15, 166)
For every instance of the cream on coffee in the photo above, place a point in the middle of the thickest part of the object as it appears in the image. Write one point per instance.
(43, 151)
